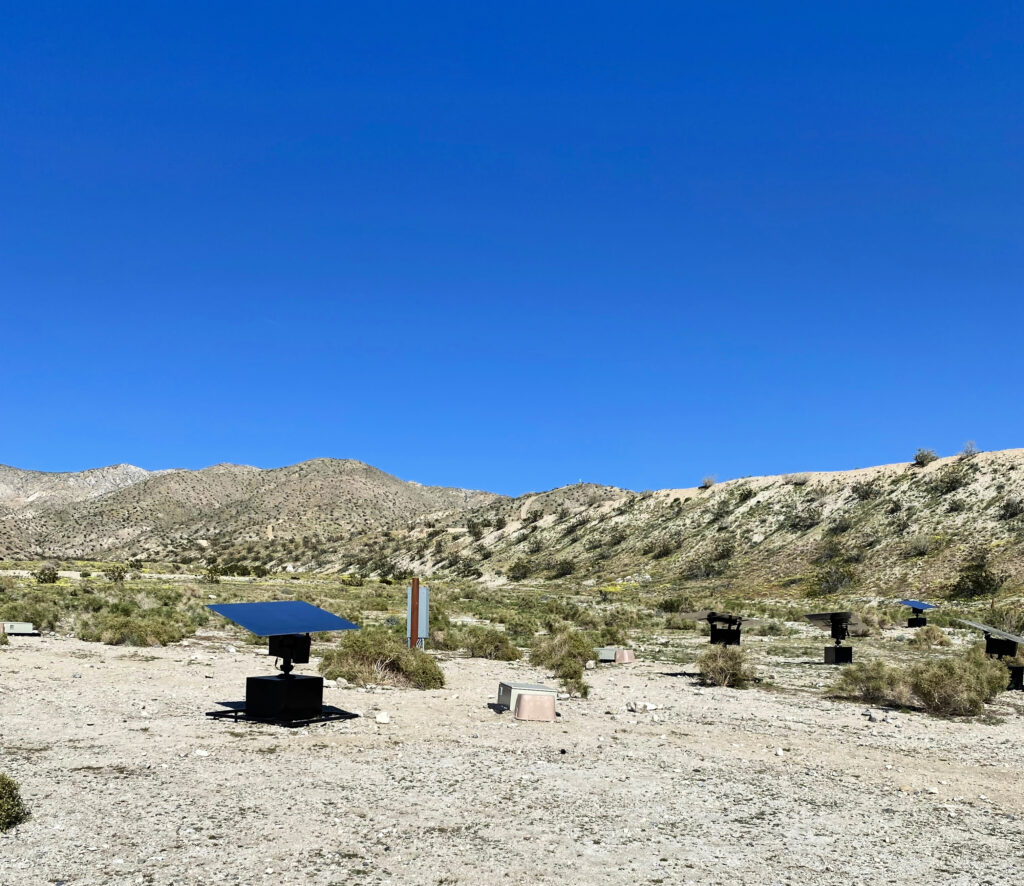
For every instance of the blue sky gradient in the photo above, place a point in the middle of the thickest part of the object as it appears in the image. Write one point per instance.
(510, 248)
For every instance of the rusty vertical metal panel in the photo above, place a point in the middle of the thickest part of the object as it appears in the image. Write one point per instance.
(414, 613)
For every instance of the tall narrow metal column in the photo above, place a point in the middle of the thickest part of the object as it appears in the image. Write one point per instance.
(414, 614)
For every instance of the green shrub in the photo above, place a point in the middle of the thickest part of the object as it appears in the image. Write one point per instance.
(873, 682)
(12, 810)
(489, 643)
(375, 655)
(674, 621)
(566, 653)
(520, 628)
(562, 568)
(141, 629)
(46, 575)
(924, 457)
(955, 687)
(976, 578)
(4, 641)
(519, 570)
(115, 573)
(725, 666)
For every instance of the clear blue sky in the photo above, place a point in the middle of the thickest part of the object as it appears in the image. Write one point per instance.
(511, 246)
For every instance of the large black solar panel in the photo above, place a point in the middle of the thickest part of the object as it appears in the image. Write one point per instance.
(282, 617)
(918, 605)
(994, 632)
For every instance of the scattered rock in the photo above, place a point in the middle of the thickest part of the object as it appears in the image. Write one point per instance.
(383, 717)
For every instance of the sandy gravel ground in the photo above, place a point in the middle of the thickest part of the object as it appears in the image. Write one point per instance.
(129, 783)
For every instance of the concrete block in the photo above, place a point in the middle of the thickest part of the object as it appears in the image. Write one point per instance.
(624, 656)
(539, 708)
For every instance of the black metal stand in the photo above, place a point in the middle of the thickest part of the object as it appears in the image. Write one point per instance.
(1016, 678)
(236, 712)
(918, 621)
(837, 655)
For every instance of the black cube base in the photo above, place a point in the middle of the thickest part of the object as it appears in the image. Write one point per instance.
(725, 636)
(918, 622)
(283, 697)
(836, 655)
(1016, 677)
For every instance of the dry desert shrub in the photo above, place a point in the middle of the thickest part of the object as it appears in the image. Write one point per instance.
(950, 687)
(378, 656)
(725, 666)
(957, 687)
(12, 809)
(873, 682)
(489, 643)
(3, 639)
(566, 653)
(929, 636)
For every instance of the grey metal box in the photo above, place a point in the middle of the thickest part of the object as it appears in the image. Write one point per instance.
(509, 692)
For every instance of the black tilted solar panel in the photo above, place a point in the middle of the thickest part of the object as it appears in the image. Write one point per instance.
(994, 632)
(279, 617)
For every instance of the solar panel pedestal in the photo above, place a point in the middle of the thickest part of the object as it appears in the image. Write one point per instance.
(1016, 677)
(284, 697)
(837, 655)
(725, 636)
(918, 621)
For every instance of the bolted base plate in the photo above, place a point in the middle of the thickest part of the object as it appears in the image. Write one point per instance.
(836, 655)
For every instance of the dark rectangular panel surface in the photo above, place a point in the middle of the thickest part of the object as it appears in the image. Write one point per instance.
(917, 604)
(282, 617)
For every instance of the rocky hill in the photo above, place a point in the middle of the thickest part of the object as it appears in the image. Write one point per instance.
(902, 528)
(128, 512)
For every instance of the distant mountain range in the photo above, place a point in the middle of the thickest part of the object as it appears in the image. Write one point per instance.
(887, 529)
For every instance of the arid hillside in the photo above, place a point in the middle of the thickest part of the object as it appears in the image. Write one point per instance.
(903, 528)
(127, 512)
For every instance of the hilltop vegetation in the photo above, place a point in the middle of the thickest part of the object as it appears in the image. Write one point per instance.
(931, 525)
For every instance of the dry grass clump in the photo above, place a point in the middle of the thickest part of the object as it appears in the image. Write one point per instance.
(4, 641)
(929, 636)
(12, 809)
(566, 653)
(950, 687)
(379, 656)
(725, 666)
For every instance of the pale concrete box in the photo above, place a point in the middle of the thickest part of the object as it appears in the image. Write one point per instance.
(615, 655)
(624, 656)
(538, 708)
(607, 653)
(509, 692)
(19, 628)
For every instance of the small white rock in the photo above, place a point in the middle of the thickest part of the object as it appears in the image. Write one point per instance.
(383, 717)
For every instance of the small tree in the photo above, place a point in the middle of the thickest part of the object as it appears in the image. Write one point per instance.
(924, 457)
(115, 573)
(46, 575)
(707, 482)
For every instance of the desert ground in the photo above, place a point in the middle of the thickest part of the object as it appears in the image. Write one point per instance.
(129, 782)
